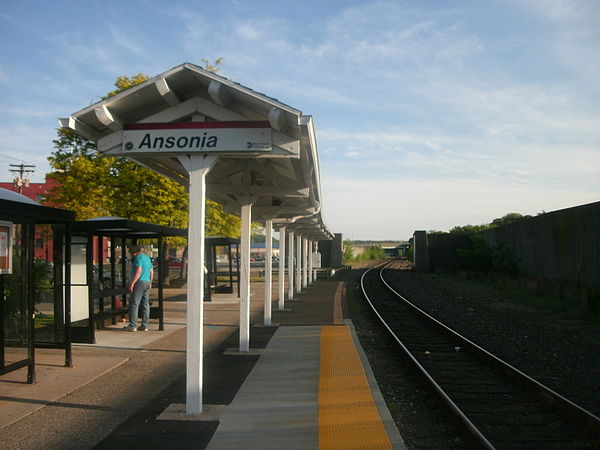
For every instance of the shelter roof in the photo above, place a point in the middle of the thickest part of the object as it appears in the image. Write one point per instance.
(15, 206)
(120, 227)
(216, 241)
(282, 184)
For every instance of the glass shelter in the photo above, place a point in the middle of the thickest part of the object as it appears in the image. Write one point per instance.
(220, 263)
(34, 281)
(101, 269)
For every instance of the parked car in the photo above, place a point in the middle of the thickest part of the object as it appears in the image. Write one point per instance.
(175, 262)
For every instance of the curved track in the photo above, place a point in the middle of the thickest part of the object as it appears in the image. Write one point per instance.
(499, 406)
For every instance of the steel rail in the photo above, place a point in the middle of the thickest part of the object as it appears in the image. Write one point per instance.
(555, 400)
(471, 428)
(575, 412)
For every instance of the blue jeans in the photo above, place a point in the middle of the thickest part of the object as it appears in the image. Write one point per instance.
(140, 299)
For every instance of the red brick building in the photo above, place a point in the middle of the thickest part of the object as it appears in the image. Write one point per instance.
(38, 193)
(34, 191)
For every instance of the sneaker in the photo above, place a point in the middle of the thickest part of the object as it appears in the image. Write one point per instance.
(142, 328)
(130, 328)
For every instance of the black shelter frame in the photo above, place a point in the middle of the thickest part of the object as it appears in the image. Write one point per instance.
(26, 214)
(212, 266)
(100, 287)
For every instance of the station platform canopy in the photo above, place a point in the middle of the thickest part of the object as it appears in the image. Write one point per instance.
(125, 228)
(277, 170)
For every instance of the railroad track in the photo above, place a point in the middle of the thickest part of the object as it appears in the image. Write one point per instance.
(499, 406)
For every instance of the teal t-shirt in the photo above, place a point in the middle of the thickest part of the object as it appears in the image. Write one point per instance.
(145, 263)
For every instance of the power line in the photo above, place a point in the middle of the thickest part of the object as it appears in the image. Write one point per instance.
(10, 157)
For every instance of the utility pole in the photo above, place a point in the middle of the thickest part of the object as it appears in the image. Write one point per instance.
(22, 179)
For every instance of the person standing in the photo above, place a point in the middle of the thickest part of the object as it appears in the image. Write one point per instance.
(142, 274)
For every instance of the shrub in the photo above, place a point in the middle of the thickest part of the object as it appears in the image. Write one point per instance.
(485, 258)
(478, 258)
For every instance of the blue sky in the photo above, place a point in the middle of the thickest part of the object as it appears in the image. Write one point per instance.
(428, 114)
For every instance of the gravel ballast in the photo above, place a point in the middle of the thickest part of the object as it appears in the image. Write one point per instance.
(560, 352)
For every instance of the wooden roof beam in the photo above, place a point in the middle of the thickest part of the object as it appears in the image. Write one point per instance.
(280, 191)
(166, 92)
(80, 128)
(107, 118)
(278, 120)
(218, 93)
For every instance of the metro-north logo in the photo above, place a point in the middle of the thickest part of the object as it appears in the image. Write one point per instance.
(257, 145)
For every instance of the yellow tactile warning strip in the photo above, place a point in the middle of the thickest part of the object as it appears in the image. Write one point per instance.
(348, 417)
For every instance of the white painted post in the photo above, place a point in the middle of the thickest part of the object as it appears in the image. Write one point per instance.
(291, 266)
(315, 261)
(281, 268)
(268, 269)
(304, 262)
(310, 261)
(245, 279)
(197, 166)
(298, 264)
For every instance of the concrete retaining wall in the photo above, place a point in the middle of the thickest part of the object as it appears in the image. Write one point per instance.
(557, 252)
(561, 245)
(442, 249)
(332, 252)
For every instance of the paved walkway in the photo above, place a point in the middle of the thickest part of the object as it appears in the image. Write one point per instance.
(119, 389)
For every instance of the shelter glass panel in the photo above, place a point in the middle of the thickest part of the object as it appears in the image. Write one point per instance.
(15, 326)
(49, 285)
(79, 288)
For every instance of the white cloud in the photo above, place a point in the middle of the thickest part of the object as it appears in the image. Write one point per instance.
(126, 40)
(4, 78)
(452, 112)
(386, 155)
(195, 27)
(578, 35)
(78, 51)
(25, 110)
(386, 209)
(29, 144)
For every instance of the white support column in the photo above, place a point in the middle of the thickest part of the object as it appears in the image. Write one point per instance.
(298, 264)
(197, 166)
(245, 279)
(315, 261)
(268, 269)
(291, 266)
(304, 263)
(281, 268)
(310, 261)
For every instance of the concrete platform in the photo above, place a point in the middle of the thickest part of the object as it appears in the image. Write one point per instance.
(128, 389)
(280, 405)
(277, 406)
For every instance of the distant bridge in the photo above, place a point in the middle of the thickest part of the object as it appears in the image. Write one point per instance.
(391, 248)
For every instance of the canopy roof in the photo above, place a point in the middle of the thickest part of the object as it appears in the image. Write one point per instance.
(283, 183)
(121, 227)
(15, 206)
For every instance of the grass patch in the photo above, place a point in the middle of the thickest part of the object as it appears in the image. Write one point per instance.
(43, 321)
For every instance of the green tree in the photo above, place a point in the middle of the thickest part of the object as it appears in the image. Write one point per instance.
(469, 229)
(124, 82)
(508, 218)
(372, 252)
(212, 67)
(220, 223)
(348, 252)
